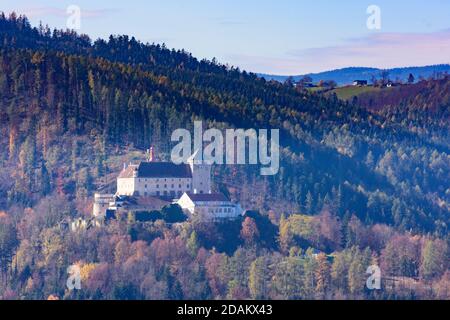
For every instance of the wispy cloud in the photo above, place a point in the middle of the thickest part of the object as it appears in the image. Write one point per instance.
(381, 50)
(38, 12)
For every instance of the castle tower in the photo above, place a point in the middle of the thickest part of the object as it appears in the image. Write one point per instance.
(151, 154)
(201, 175)
(101, 204)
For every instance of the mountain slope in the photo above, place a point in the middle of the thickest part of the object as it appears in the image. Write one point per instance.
(122, 95)
(361, 187)
(346, 76)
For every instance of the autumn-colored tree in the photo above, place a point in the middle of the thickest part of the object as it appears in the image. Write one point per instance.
(401, 257)
(442, 287)
(323, 276)
(217, 273)
(329, 228)
(249, 231)
(356, 233)
(286, 237)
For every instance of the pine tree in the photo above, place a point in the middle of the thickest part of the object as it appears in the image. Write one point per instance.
(45, 186)
(323, 276)
(309, 203)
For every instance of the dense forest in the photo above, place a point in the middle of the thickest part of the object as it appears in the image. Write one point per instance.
(361, 183)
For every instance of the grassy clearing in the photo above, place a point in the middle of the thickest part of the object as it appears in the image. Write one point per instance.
(348, 92)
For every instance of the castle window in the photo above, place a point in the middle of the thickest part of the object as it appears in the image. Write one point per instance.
(179, 186)
(187, 186)
(157, 186)
(173, 186)
(158, 193)
(165, 186)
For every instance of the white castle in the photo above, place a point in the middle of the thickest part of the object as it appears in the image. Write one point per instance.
(164, 179)
(152, 184)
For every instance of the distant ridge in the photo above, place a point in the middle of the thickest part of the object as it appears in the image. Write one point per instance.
(347, 75)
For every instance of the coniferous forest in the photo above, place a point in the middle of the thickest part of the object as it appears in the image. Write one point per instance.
(362, 182)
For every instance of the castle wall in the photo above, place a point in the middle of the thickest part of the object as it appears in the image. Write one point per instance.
(125, 186)
(174, 187)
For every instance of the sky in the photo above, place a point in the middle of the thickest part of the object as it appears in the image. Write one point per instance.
(283, 37)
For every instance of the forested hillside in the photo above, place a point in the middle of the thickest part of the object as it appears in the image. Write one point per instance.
(361, 187)
(428, 99)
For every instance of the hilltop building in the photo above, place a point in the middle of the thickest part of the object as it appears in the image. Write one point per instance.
(213, 206)
(164, 179)
(150, 185)
(360, 83)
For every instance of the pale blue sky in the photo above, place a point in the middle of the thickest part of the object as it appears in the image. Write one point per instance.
(278, 37)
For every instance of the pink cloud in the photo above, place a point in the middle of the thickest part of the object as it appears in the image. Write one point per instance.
(380, 50)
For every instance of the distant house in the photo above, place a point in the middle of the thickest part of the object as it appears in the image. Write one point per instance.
(302, 84)
(390, 84)
(210, 206)
(360, 83)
